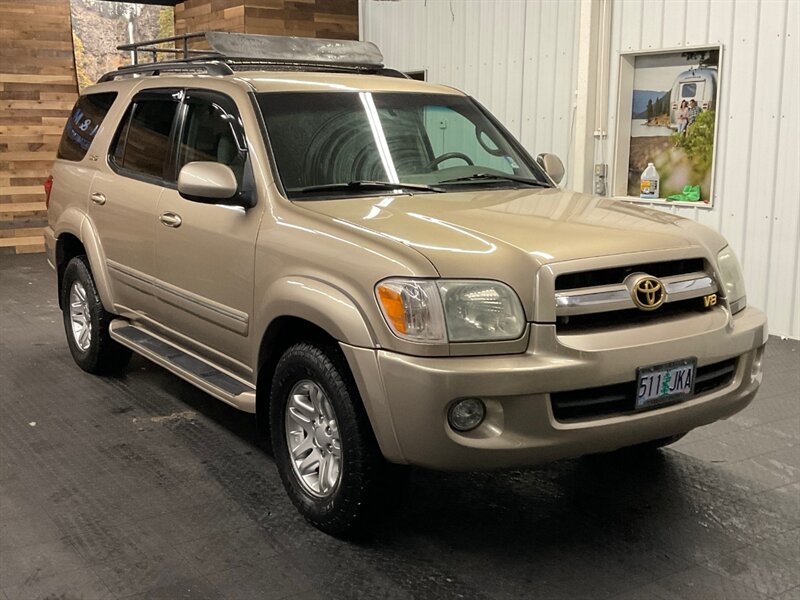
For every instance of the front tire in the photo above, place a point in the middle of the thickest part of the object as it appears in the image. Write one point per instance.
(86, 322)
(326, 453)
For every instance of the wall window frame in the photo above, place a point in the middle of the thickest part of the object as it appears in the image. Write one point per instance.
(624, 110)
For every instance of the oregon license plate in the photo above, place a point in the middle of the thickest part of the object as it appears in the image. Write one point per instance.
(664, 384)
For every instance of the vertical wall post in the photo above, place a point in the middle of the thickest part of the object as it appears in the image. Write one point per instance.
(591, 92)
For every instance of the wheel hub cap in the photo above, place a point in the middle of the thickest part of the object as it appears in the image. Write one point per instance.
(312, 435)
(79, 316)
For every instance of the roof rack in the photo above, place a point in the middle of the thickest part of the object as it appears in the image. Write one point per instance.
(229, 52)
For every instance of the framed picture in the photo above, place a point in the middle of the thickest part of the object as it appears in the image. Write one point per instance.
(99, 26)
(667, 126)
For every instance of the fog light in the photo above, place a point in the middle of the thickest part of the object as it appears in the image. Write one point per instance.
(466, 414)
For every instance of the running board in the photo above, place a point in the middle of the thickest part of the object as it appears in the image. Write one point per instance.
(188, 366)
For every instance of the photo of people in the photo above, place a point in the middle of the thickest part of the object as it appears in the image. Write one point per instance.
(673, 120)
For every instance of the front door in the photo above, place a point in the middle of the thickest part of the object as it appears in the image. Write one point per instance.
(205, 253)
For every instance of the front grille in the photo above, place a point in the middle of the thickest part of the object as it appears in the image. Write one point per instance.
(590, 301)
(614, 275)
(620, 398)
(598, 322)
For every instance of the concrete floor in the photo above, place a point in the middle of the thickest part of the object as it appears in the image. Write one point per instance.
(141, 486)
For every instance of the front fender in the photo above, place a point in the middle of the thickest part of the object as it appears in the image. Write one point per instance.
(319, 303)
(335, 312)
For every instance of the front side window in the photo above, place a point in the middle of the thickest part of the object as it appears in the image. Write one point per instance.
(212, 131)
(141, 145)
(328, 138)
(83, 123)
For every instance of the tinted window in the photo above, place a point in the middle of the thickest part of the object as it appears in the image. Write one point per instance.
(212, 132)
(322, 138)
(118, 145)
(142, 141)
(451, 131)
(83, 124)
(689, 90)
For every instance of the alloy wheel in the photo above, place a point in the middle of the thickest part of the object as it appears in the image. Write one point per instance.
(312, 435)
(80, 317)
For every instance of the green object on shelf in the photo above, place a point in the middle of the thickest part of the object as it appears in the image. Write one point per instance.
(691, 193)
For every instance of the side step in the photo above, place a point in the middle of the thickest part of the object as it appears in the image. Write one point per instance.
(190, 367)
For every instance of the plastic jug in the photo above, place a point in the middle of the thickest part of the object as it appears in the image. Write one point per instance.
(650, 182)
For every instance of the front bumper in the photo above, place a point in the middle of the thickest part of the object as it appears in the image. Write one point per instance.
(407, 397)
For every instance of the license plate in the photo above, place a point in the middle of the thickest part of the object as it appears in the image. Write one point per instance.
(664, 384)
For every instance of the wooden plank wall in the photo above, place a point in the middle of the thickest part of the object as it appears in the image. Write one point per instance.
(38, 85)
(37, 91)
(209, 15)
(337, 19)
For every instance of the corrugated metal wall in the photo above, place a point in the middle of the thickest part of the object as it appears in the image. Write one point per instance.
(519, 58)
(498, 51)
(756, 190)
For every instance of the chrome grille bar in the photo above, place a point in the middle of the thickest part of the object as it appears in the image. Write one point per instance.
(609, 298)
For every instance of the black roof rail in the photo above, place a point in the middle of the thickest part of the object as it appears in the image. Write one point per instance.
(239, 51)
(207, 68)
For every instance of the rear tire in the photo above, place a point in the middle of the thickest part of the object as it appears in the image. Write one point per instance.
(325, 450)
(86, 322)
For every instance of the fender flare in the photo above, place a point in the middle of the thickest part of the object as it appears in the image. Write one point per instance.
(97, 260)
(320, 303)
(76, 223)
(335, 312)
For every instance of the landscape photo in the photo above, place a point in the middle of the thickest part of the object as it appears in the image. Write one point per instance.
(99, 26)
(673, 121)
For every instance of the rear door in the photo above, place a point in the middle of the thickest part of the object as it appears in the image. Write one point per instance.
(124, 197)
(205, 253)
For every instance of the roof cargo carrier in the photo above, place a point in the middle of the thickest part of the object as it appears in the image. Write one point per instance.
(224, 53)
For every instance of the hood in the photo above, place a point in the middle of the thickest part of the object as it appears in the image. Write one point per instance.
(494, 234)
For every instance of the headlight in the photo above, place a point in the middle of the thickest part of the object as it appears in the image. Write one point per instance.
(438, 311)
(481, 310)
(732, 279)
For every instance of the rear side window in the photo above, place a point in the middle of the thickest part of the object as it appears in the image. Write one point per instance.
(141, 144)
(83, 123)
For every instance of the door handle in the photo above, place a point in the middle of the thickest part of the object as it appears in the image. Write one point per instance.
(98, 198)
(170, 219)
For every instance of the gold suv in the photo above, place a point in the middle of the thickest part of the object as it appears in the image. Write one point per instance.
(380, 271)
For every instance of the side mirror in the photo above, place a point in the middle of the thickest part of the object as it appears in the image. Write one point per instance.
(208, 182)
(552, 165)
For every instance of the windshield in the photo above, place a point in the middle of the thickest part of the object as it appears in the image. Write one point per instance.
(348, 143)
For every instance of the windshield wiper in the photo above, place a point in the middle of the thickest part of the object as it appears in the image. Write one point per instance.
(492, 177)
(367, 185)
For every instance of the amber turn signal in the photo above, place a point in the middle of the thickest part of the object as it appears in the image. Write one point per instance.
(393, 308)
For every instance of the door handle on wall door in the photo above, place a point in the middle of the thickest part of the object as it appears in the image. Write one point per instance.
(98, 198)
(171, 219)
